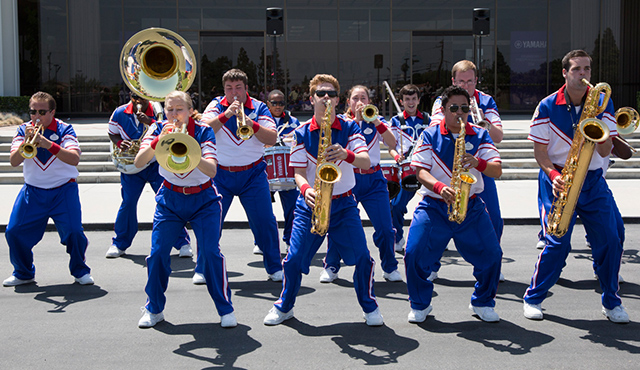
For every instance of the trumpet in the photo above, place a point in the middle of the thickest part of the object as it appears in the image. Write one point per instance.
(369, 113)
(244, 131)
(478, 118)
(29, 147)
(626, 120)
(178, 152)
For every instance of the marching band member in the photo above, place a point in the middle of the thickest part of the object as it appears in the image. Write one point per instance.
(50, 190)
(407, 127)
(552, 131)
(285, 124)
(431, 230)
(128, 124)
(241, 170)
(347, 149)
(183, 198)
(464, 74)
(370, 189)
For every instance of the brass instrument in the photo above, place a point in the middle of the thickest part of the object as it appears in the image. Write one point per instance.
(177, 151)
(461, 179)
(476, 114)
(589, 132)
(244, 131)
(327, 174)
(369, 113)
(157, 61)
(29, 148)
(626, 120)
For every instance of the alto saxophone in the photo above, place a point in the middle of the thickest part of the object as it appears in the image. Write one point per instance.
(589, 132)
(327, 174)
(461, 180)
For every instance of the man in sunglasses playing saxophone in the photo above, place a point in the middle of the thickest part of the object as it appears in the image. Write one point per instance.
(50, 191)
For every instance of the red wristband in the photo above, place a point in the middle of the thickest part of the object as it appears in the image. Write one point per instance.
(351, 156)
(154, 143)
(438, 186)
(396, 157)
(256, 127)
(482, 165)
(222, 118)
(304, 188)
(553, 174)
(119, 142)
(382, 128)
(55, 148)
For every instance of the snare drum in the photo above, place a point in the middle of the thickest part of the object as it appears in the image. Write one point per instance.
(391, 172)
(279, 173)
(409, 181)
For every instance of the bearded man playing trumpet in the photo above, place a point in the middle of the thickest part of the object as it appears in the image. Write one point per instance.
(50, 190)
(453, 147)
(243, 125)
(322, 209)
(127, 126)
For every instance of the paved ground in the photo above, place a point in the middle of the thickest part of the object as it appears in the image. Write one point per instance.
(56, 324)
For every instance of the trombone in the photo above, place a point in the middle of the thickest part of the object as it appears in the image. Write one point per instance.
(244, 131)
(178, 152)
(29, 148)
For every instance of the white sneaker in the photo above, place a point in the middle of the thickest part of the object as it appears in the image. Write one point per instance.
(114, 252)
(618, 314)
(486, 313)
(275, 316)
(257, 250)
(587, 244)
(533, 311)
(14, 281)
(399, 246)
(198, 279)
(276, 276)
(86, 279)
(433, 276)
(228, 320)
(393, 276)
(373, 318)
(541, 244)
(416, 316)
(149, 319)
(328, 276)
(620, 279)
(501, 278)
(185, 251)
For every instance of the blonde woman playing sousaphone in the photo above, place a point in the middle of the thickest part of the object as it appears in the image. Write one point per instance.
(184, 197)
(443, 153)
(322, 209)
(371, 186)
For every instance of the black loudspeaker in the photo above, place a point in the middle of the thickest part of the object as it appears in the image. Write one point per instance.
(275, 22)
(377, 61)
(481, 21)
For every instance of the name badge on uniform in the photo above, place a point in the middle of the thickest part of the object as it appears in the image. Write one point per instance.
(253, 115)
(293, 125)
(368, 131)
(468, 146)
(54, 137)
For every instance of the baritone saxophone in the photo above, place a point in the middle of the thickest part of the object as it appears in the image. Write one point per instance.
(590, 131)
(327, 174)
(461, 179)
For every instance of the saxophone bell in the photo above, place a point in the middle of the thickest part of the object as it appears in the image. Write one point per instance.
(627, 120)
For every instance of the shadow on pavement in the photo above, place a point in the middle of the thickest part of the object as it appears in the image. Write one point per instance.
(604, 332)
(68, 294)
(226, 345)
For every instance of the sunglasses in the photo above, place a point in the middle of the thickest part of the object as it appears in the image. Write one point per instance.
(454, 108)
(277, 103)
(41, 112)
(322, 93)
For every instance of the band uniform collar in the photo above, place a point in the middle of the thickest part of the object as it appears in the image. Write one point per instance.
(467, 128)
(314, 124)
(53, 126)
(247, 103)
(149, 111)
(406, 115)
(562, 95)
